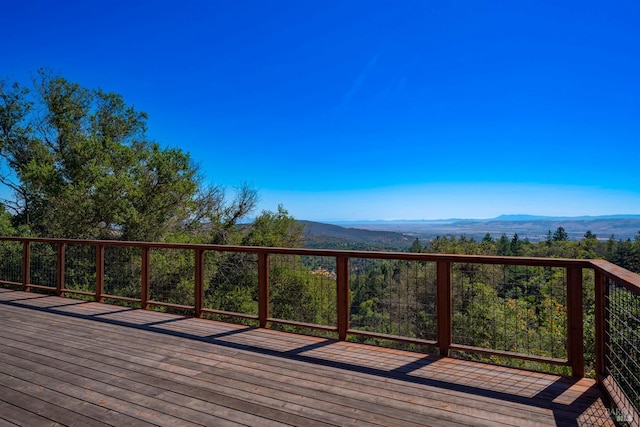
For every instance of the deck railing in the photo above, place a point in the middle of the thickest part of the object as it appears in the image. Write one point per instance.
(532, 310)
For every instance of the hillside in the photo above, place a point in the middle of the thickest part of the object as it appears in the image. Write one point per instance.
(535, 228)
(329, 236)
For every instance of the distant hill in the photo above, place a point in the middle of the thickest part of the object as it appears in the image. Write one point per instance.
(536, 230)
(510, 217)
(561, 218)
(330, 236)
(533, 227)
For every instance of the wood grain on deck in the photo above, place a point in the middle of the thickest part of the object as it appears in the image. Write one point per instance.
(81, 363)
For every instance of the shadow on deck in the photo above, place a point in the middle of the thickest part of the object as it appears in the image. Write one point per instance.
(85, 363)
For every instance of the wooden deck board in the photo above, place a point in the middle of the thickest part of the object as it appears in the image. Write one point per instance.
(83, 363)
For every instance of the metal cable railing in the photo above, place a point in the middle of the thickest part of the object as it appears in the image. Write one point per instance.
(622, 349)
(11, 254)
(122, 272)
(230, 285)
(171, 280)
(302, 291)
(511, 308)
(43, 265)
(393, 298)
(80, 268)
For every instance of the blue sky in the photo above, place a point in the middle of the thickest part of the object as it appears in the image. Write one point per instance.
(345, 110)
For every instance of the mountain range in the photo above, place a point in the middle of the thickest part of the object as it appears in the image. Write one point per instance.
(399, 234)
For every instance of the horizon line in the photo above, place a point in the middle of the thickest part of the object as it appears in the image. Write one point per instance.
(529, 216)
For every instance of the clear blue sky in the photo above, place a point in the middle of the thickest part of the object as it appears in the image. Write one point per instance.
(369, 109)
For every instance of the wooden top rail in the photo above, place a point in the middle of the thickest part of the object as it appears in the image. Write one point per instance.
(405, 256)
(622, 276)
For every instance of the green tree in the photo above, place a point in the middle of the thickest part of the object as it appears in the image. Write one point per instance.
(487, 238)
(487, 244)
(275, 229)
(560, 235)
(416, 247)
(6, 228)
(625, 255)
(84, 160)
(503, 246)
(516, 245)
(587, 248)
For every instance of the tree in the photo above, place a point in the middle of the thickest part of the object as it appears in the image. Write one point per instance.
(277, 229)
(560, 235)
(416, 247)
(503, 246)
(587, 248)
(487, 244)
(549, 239)
(516, 245)
(6, 229)
(15, 142)
(487, 238)
(625, 255)
(79, 158)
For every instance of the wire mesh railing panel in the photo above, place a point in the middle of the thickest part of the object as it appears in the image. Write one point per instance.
(303, 289)
(80, 268)
(122, 271)
(588, 316)
(43, 264)
(512, 308)
(622, 345)
(393, 297)
(171, 276)
(11, 263)
(231, 282)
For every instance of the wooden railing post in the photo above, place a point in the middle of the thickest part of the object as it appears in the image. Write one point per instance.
(26, 265)
(444, 310)
(60, 260)
(575, 333)
(342, 283)
(199, 282)
(99, 273)
(144, 278)
(599, 325)
(263, 289)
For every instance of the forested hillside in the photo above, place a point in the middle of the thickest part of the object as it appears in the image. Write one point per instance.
(318, 235)
(556, 244)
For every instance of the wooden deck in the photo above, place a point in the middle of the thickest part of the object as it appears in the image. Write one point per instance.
(68, 362)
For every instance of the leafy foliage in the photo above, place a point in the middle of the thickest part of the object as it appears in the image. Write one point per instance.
(80, 166)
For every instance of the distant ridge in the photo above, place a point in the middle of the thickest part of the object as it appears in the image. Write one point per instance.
(533, 227)
(519, 217)
(504, 217)
(330, 236)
